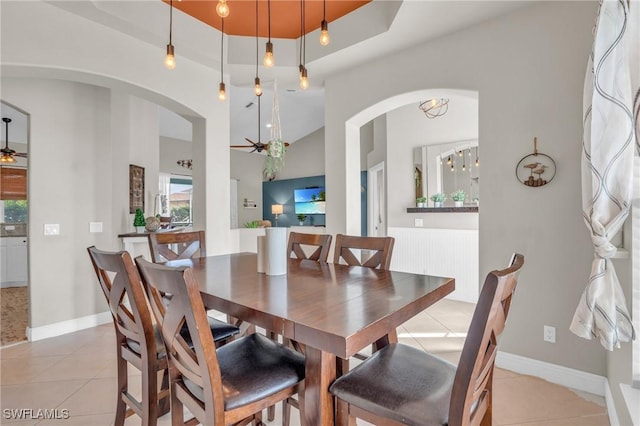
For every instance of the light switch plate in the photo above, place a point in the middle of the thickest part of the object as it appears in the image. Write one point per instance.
(95, 226)
(418, 223)
(51, 229)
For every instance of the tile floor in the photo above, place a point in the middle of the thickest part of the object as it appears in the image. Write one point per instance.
(76, 372)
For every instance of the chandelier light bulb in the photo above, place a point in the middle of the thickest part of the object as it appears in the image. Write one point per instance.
(6, 158)
(170, 59)
(449, 160)
(268, 60)
(460, 153)
(477, 162)
(452, 168)
(222, 94)
(258, 88)
(324, 33)
(222, 8)
(304, 81)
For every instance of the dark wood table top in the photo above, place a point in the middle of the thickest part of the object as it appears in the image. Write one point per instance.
(335, 308)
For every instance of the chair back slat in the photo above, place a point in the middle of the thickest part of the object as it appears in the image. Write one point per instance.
(472, 387)
(381, 248)
(297, 240)
(122, 288)
(165, 246)
(200, 364)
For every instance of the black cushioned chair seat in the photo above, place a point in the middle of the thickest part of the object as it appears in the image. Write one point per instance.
(254, 367)
(401, 383)
(220, 330)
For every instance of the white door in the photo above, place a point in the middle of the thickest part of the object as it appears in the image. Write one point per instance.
(377, 201)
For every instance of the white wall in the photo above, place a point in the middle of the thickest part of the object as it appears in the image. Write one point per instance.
(247, 168)
(70, 183)
(528, 69)
(305, 157)
(77, 131)
(172, 150)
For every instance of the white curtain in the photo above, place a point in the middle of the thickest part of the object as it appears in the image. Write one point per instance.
(161, 206)
(610, 91)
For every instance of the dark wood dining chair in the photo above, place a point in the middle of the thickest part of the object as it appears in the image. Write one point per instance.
(402, 385)
(138, 342)
(298, 240)
(228, 385)
(380, 247)
(165, 246)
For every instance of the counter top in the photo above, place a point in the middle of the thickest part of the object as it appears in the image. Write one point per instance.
(146, 234)
(466, 209)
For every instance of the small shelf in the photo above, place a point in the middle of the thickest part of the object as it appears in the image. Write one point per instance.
(466, 209)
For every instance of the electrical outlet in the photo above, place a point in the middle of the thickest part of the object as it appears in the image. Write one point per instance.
(418, 223)
(95, 226)
(51, 229)
(549, 334)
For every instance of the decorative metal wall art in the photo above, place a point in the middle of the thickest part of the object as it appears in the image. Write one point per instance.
(538, 164)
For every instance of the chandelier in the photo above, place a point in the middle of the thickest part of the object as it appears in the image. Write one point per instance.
(434, 108)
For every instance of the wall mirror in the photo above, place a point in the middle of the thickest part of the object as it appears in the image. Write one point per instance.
(447, 167)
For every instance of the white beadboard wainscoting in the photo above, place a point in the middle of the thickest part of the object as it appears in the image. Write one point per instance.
(441, 252)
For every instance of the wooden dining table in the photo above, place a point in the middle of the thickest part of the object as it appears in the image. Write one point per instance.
(333, 310)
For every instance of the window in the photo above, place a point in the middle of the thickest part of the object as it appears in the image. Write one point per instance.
(180, 201)
(14, 211)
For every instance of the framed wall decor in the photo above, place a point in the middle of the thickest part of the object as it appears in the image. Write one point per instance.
(136, 188)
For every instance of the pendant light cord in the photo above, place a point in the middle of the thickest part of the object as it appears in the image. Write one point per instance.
(222, 52)
(256, 38)
(170, 19)
(269, 17)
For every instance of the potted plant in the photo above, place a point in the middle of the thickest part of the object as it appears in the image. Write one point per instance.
(438, 199)
(421, 202)
(301, 218)
(458, 197)
(139, 222)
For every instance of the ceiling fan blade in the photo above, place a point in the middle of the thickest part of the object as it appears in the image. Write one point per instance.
(240, 146)
(20, 154)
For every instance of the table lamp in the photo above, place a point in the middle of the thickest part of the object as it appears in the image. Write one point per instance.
(276, 209)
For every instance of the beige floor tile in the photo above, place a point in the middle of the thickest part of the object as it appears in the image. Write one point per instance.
(438, 345)
(75, 366)
(500, 373)
(597, 420)
(45, 395)
(76, 420)
(527, 399)
(16, 371)
(97, 396)
(452, 357)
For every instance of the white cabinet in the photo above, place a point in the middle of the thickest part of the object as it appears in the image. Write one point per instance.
(14, 260)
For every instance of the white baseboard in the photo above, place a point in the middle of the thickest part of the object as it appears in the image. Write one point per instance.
(564, 376)
(611, 406)
(8, 284)
(64, 327)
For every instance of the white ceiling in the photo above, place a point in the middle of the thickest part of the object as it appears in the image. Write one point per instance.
(376, 29)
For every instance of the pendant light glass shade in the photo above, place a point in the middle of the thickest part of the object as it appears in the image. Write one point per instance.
(222, 8)
(222, 93)
(170, 59)
(304, 81)
(324, 33)
(257, 88)
(268, 60)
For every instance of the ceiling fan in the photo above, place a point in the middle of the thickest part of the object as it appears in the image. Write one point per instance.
(256, 146)
(8, 154)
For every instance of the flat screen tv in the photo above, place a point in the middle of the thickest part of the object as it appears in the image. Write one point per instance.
(309, 200)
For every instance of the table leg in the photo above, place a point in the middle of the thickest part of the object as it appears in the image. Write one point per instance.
(320, 372)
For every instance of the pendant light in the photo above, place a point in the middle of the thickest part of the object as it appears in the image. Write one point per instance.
(477, 159)
(222, 94)
(7, 153)
(464, 163)
(268, 60)
(324, 26)
(170, 59)
(222, 8)
(257, 87)
(449, 160)
(304, 80)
